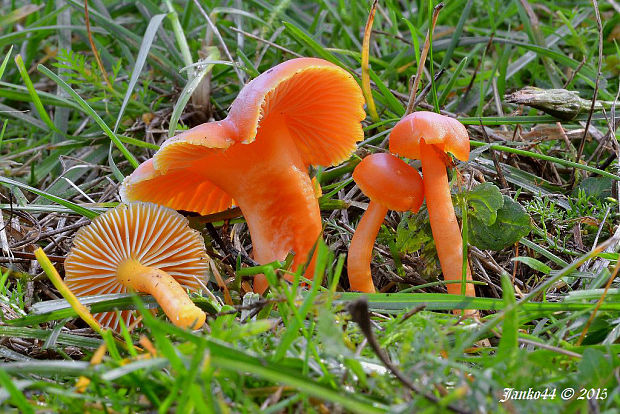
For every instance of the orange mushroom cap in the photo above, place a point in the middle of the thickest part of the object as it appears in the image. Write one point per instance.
(390, 181)
(187, 190)
(445, 133)
(320, 103)
(152, 235)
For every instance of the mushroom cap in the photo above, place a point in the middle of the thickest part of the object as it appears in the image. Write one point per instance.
(156, 236)
(321, 104)
(185, 189)
(390, 181)
(445, 133)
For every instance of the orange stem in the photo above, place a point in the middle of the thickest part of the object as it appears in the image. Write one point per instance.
(168, 293)
(270, 183)
(360, 251)
(446, 231)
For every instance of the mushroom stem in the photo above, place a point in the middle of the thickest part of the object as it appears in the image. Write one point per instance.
(446, 231)
(270, 183)
(360, 251)
(170, 295)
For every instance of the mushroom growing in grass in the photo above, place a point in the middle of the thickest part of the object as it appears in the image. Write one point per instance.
(390, 184)
(300, 113)
(140, 247)
(429, 136)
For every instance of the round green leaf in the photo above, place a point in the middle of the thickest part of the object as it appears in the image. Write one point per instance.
(511, 224)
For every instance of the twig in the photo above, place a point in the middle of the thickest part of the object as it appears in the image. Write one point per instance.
(418, 76)
(43, 235)
(575, 72)
(230, 251)
(229, 214)
(359, 313)
(550, 348)
(498, 168)
(265, 41)
(30, 256)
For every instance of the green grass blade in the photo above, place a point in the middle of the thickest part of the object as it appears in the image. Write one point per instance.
(509, 343)
(397, 302)
(5, 62)
(179, 35)
(304, 39)
(72, 206)
(556, 160)
(224, 356)
(452, 81)
(145, 46)
(17, 397)
(33, 94)
(189, 89)
(128, 155)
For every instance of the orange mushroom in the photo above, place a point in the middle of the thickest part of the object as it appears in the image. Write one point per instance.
(428, 136)
(142, 247)
(392, 184)
(302, 112)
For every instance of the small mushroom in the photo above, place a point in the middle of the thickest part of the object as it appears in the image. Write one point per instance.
(392, 184)
(302, 112)
(428, 136)
(140, 247)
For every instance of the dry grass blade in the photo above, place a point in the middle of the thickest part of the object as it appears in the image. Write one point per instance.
(418, 76)
(93, 47)
(372, 108)
(219, 38)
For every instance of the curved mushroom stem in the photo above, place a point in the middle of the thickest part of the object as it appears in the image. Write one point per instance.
(170, 295)
(270, 183)
(446, 231)
(360, 251)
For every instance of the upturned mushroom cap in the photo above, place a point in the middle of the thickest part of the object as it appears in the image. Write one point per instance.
(390, 181)
(317, 102)
(155, 236)
(445, 133)
(180, 189)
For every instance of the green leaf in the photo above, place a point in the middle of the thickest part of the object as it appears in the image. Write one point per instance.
(598, 187)
(412, 232)
(511, 224)
(533, 263)
(483, 202)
